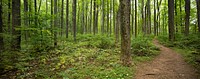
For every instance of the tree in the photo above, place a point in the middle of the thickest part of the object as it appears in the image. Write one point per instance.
(62, 17)
(74, 19)
(198, 13)
(25, 15)
(1, 27)
(171, 19)
(9, 16)
(67, 18)
(135, 18)
(55, 22)
(187, 17)
(155, 24)
(16, 23)
(125, 32)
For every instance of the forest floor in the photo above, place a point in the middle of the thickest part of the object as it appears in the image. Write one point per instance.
(167, 65)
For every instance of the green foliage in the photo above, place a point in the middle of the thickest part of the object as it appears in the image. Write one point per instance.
(142, 46)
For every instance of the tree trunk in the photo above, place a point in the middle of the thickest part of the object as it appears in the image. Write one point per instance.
(62, 17)
(55, 22)
(135, 18)
(198, 14)
(16, 23)
(171, 19)
(67, 18)
(155, 24)
(94, 17)
(125, 32)
(9, 16)
(149, 17)
(187, 17)
(25, 16)
(103, 16)
(74, 19)
(1, 28)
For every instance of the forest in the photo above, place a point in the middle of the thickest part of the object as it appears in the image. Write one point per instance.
(99, 39)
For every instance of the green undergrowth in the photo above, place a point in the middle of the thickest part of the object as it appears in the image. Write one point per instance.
(188, 46)
(90, 57)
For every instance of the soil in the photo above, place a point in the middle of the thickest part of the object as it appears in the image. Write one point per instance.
(167, 65)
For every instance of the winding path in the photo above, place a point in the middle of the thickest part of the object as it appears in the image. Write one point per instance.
(167, 65)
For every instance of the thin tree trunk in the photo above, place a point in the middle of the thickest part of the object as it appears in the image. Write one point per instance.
(55, 22)
(62, 17)
(74, 19)
(9, 16)
(198, 14)
(135, 18)
(67, 18)
(1, 28)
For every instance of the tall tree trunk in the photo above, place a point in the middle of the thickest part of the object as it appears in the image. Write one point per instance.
(9, 17)
(55, 22)
(25, 16)
(107, 17)
(51, 16)
(35, 6)
(74, 19)
(135, 18)
(103, 16)
(62, 17)
(125, 32)
(155, 21)
(171, 20)
(187, 17)
(16, 23)
(117, 25)
(1, 28)
(198, 14)
(143, 18)
(67, 18)
(114, 15)
(149, 17)
(90, 26)
(94, 17)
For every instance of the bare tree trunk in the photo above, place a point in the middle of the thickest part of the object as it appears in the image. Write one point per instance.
(62, 17)
(9, 17)
(1, 28)
(198, 13)
(171, 20)
(74, 19)
(187, 17)
(55, 22)
(16, 23)
(67, 18)
(125, 32)
(135, 18)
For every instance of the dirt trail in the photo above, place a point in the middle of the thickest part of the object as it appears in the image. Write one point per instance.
(168, 65)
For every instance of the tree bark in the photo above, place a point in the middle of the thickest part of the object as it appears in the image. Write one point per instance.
(171, 19)
(55, 22)
(67, 18)
(62, 17)
(1, 28)
(135, 18)
(187, 17)
(198, 14)
(26, 16)
(74, 19)
(125, 32)
(16, 23)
